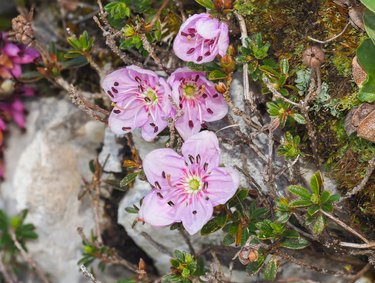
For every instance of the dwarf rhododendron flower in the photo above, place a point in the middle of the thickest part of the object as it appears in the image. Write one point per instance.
(186, 188)
(140, 100)
(198, 98)
(12, 56)
(201, 38)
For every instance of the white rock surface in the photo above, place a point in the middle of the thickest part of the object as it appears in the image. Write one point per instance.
(44, 168)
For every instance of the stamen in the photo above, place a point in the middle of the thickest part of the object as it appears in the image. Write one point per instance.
(169, 180)
(184, 34)
(163, 174)
(152, 125)
(160, 195)
(114, 90)
(170, 203)
(194, 212)
(205, 185)
(126, 128)
(196, 78)
(198, 158)
(157, 185)
(116, 84)
(204, 95)
(147, 99)
(191, 158)
(156, 129)
(138, 79)
(215, 95)
(208, 53)
(117, 111)
(191, 124)
(110, 93)
(199, 58)
(207, 198)
(190, 51)
(192, 30)
(205, 166)
(210, 111)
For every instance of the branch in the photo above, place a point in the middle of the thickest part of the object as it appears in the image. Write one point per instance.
(332, 38)
(28, 258)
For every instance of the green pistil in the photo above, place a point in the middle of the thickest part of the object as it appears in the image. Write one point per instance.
(190, 90)
(151, 94)
(194, 184)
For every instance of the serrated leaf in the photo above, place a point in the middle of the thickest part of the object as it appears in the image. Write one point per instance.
(300, 191)
(295, 244)
(319, 225)
(270, 270)
(128, 179)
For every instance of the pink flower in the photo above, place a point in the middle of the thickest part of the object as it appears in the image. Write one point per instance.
(198, 98)
(12, 56)
(201, 38)
(15, 111)
(186, 188)
(140, 101)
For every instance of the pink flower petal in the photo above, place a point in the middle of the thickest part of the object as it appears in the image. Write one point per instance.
(156, 211)
(121, 124)
(195, 214)
(223, 42)
(223, 183)
(152, 128)
(214, 108)
(11, 49)
(188, 125)
(208, 28)
(206, 145)
(163, 166)
(26, 56)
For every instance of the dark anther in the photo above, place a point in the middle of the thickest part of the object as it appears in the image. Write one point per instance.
(205, 166)
(194, 212)
(157, 185)
(126, 128)
(190, 51)
(208, 53)
(204, 95)
(215, 95)
(159, 195)
(191, 158)
(207, 198)
(199, 58)
(192, 30)
(210, 111)
(117, 111)
(184, 33)
(163, 174)
(138, 79)
(110, 93)
(147, 99)
(196, 78)
(170, 203)
(152, 124)
(116, 84)
(191, 124)
(198, 158)
(156, 129)
(205, 185)
(114, 90)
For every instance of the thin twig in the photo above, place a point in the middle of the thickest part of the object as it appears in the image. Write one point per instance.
(88, 274)
(370, 245)
(370, 169)
(28, 258)
(156, 245)
(345, 226)
(7, 274)
(188, 241)
(249, 96)
(158, 13)
(332, 38)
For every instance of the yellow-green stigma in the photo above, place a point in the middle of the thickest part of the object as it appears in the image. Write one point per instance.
(150, 95)
(190, 91)
(194, 185)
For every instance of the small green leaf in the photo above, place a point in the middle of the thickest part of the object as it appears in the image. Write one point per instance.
(319, 225)
(214, 224)
(132, 209)
(128, 179)
(206, 3)
(300, 203)
(255, 266)
(295, 244)
(316, 183)
(369, 21)
(334, 198)
(325, 196)
(299, 118)
(370, 4)
(216, 75)
(284, 66)
(313, 209)
(270, 271)
(300, 191)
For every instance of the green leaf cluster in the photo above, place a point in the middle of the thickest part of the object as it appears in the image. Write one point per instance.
(289, 147)
(81, 45)
(281, 110)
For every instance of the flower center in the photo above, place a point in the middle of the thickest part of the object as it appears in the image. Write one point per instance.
(194, 185)
(191, 91)
(150, 96)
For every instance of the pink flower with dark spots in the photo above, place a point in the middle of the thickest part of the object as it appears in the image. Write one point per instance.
(186, 188)
(198, 98)
(14, 111)
(140, 100)
(201, 38)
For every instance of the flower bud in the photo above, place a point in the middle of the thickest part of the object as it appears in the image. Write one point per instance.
(128, 31)
(313, 57)
(221, 87)
(7, 86)
(248, 255)
(221, 5)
